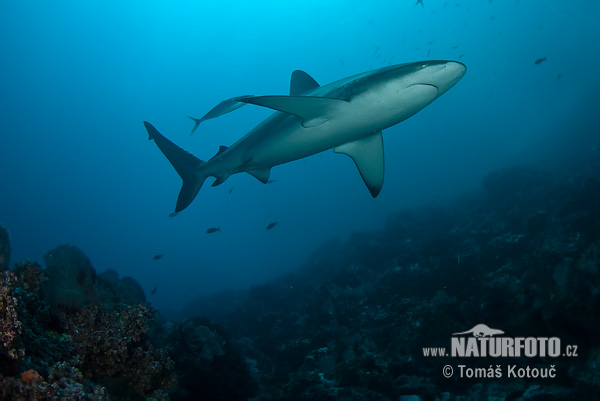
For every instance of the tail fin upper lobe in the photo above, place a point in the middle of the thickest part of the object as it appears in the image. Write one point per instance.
(186, 165)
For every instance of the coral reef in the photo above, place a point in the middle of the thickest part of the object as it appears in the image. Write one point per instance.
(62, 349)
(10, 325)
(522, 256)
(69, 333)
(109, 345)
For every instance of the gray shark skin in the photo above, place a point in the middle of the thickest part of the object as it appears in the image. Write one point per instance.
(347, 115)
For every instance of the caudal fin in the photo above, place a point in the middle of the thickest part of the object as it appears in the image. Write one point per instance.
(197, 122)
(186, 165)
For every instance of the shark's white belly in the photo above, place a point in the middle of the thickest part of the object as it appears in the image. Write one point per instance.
(361, 117)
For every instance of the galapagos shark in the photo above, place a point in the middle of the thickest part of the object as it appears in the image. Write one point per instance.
(347, 116)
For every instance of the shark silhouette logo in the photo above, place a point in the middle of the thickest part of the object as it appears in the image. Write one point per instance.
(482, 341)
(481, 330)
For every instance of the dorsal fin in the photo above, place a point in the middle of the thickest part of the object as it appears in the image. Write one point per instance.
(301, 82)
(222, 149)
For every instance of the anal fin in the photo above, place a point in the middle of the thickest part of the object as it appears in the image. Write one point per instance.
(367, 154)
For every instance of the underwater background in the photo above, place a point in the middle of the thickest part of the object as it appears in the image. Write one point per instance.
(517, 137)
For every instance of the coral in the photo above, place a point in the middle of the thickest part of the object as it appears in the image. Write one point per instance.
(64, 383)
(30, 277)
(86, 352)
(10, 325)
(111, 345)
(31, 376)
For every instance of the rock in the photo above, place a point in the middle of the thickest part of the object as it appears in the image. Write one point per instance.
(70, 278)
(130, 291)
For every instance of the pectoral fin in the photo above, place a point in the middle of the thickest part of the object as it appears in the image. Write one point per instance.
(312, 110)
(261, 175)
(367, 154)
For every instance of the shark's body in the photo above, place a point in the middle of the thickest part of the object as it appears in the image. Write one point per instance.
(347, 115)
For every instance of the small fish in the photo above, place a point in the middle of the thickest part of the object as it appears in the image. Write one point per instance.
(271, 225)
(173, 214)
(213, 230)
(454, 47)
(226, 106)
(419, 2)
(159, 256)
(540, 60)
(230, 190)
(154, 290)
(558, 77)
(428, 52)
(461, 56)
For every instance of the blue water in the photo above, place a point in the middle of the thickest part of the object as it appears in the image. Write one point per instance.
(78, 79)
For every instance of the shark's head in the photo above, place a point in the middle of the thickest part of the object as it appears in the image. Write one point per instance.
(402, 90)
(441, 74)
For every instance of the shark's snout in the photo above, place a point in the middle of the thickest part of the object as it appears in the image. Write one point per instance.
(447, 74)
(459, 67)
(456, 69)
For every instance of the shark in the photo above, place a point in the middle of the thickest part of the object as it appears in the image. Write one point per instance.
(347, 116)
